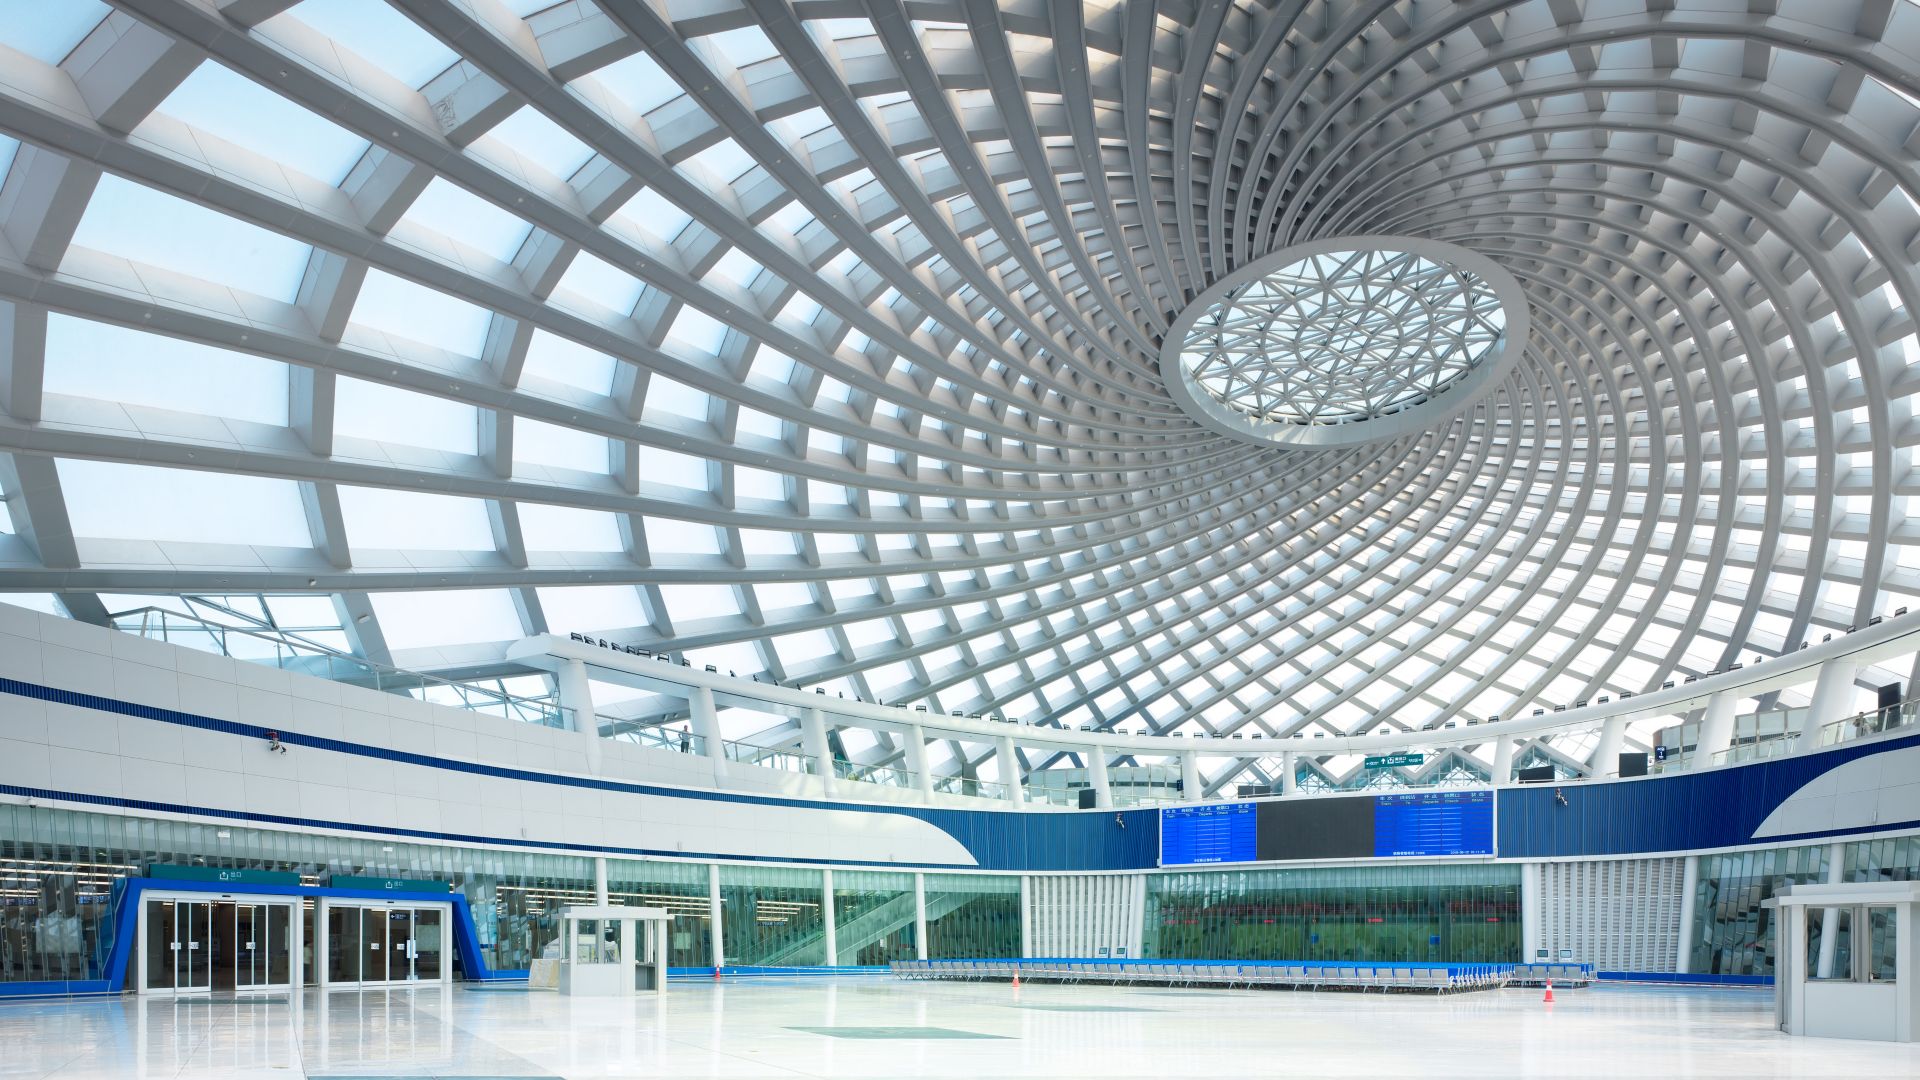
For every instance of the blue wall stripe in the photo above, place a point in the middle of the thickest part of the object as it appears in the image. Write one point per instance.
(1718, 808)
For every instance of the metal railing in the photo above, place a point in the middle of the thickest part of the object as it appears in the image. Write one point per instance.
(961, 785)
(766, 757)
(884, 775)
(290, 653)
(654, 738)
(1857, 726)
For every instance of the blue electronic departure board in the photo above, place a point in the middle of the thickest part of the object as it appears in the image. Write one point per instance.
(1433, 823)
(1207, 833)
(1421, 824)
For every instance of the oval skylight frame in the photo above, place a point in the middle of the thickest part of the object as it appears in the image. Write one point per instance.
(1486, 371)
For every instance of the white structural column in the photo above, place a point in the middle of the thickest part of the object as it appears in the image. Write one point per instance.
(1289, 772)
(1097, 773)
(1606, 753)
(715, 933)
(813, 733)
(920, 915)
(1010, 771)
(916, 737)
(1529, 910)
(1830, 916)
(1190, 790)
(600, 881)
(705, 720)
(1716, 729)
(1026, 915)
(1502, 761)
(576, 696)
(826, 916)
(1689, 885)
(1832, 700)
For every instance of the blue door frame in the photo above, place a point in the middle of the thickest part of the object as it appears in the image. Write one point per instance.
(111, 977)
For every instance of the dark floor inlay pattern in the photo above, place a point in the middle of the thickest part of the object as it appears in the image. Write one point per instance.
(895, 1033)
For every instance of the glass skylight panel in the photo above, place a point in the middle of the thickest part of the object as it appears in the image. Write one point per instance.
(414, 520)
(568, 528)
(600, 282)
(671, 536)
(112, 363)
(541, 443)
(673, 469)
(767, 542)
(550, 356)
(654, 215)
(678, 398)
(741, 47)
(109, 500)
(696, 603)
(48, 31)
(724, 161)
(385, 38)
(452, 211)
(534, 136)
(222, 102)
(149, 226)
(592, 607)
(638, 82)
(782, 595)
(383, 413)
(400, 307)
(429, 618)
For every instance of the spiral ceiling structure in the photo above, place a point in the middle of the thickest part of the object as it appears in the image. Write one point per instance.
(822, 340)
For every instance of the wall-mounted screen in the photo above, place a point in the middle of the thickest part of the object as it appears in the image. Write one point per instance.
(1399, 825)
(1207, 833)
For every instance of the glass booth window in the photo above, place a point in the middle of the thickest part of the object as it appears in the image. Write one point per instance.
(1829, 943)
(1883, 929)
(972, 916)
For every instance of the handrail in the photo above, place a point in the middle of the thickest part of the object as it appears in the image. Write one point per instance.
(1879, 639)
(1858, 726)
(291, 653)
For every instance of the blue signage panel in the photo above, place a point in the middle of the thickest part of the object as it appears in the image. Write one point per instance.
(1207, 833)
(1433, 823)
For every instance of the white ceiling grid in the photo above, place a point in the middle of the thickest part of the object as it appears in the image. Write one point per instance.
(820, 339)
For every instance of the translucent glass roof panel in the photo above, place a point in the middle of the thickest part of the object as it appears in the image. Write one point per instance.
(109, 500)
(100, 360)
(414, 520)
(149, 226)
(384, 37)
(48, 31)
(417, 313)
(568, 528)
(412, 620)
(376, 411)
(221, 102)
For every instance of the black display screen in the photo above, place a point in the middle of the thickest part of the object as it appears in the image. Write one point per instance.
(1401, 824)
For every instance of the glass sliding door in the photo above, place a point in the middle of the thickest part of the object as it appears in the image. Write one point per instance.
(426, 944)
(377, 945)
(179, 946)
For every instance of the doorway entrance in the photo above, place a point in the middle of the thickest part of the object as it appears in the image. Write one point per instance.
(372, 943)
(196, 944)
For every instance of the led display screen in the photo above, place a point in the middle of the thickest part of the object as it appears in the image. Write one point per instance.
(1398, 825)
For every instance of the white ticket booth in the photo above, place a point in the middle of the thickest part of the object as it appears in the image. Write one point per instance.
(1847, 959)
(613, 951)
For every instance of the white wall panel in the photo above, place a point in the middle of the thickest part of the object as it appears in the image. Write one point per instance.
(1616, 914)
(1080, 915)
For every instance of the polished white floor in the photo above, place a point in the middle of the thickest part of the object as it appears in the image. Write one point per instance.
(748, 1029)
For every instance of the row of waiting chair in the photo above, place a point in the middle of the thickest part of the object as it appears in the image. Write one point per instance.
(1439, 978)
(1557, 974)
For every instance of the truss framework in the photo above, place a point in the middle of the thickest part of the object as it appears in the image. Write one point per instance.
(856, 309)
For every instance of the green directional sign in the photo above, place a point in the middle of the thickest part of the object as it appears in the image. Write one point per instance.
(384, 884)
(1395, 761)
(230, 876)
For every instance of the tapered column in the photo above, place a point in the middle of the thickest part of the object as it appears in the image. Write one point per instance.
(1190, 788)
(916, 737)
(826, 914)
(813, 732)
(1096, 758)
(1606, 754)
(1716, 729)
(576, 697)
(1289, 772)
(705, 721)
(920, 915)
(716, 933)
(1502, 760)
(1832, 700)
(1010, 771)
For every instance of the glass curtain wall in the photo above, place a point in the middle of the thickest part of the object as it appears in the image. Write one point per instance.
(771, 916)
(972, 916)
(1733, 933)
(1442, 914)
(681, 888)
(873, 919)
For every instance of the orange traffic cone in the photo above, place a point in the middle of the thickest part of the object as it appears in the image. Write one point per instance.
(1016, 978)
(1549, 998)
(716, 974)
